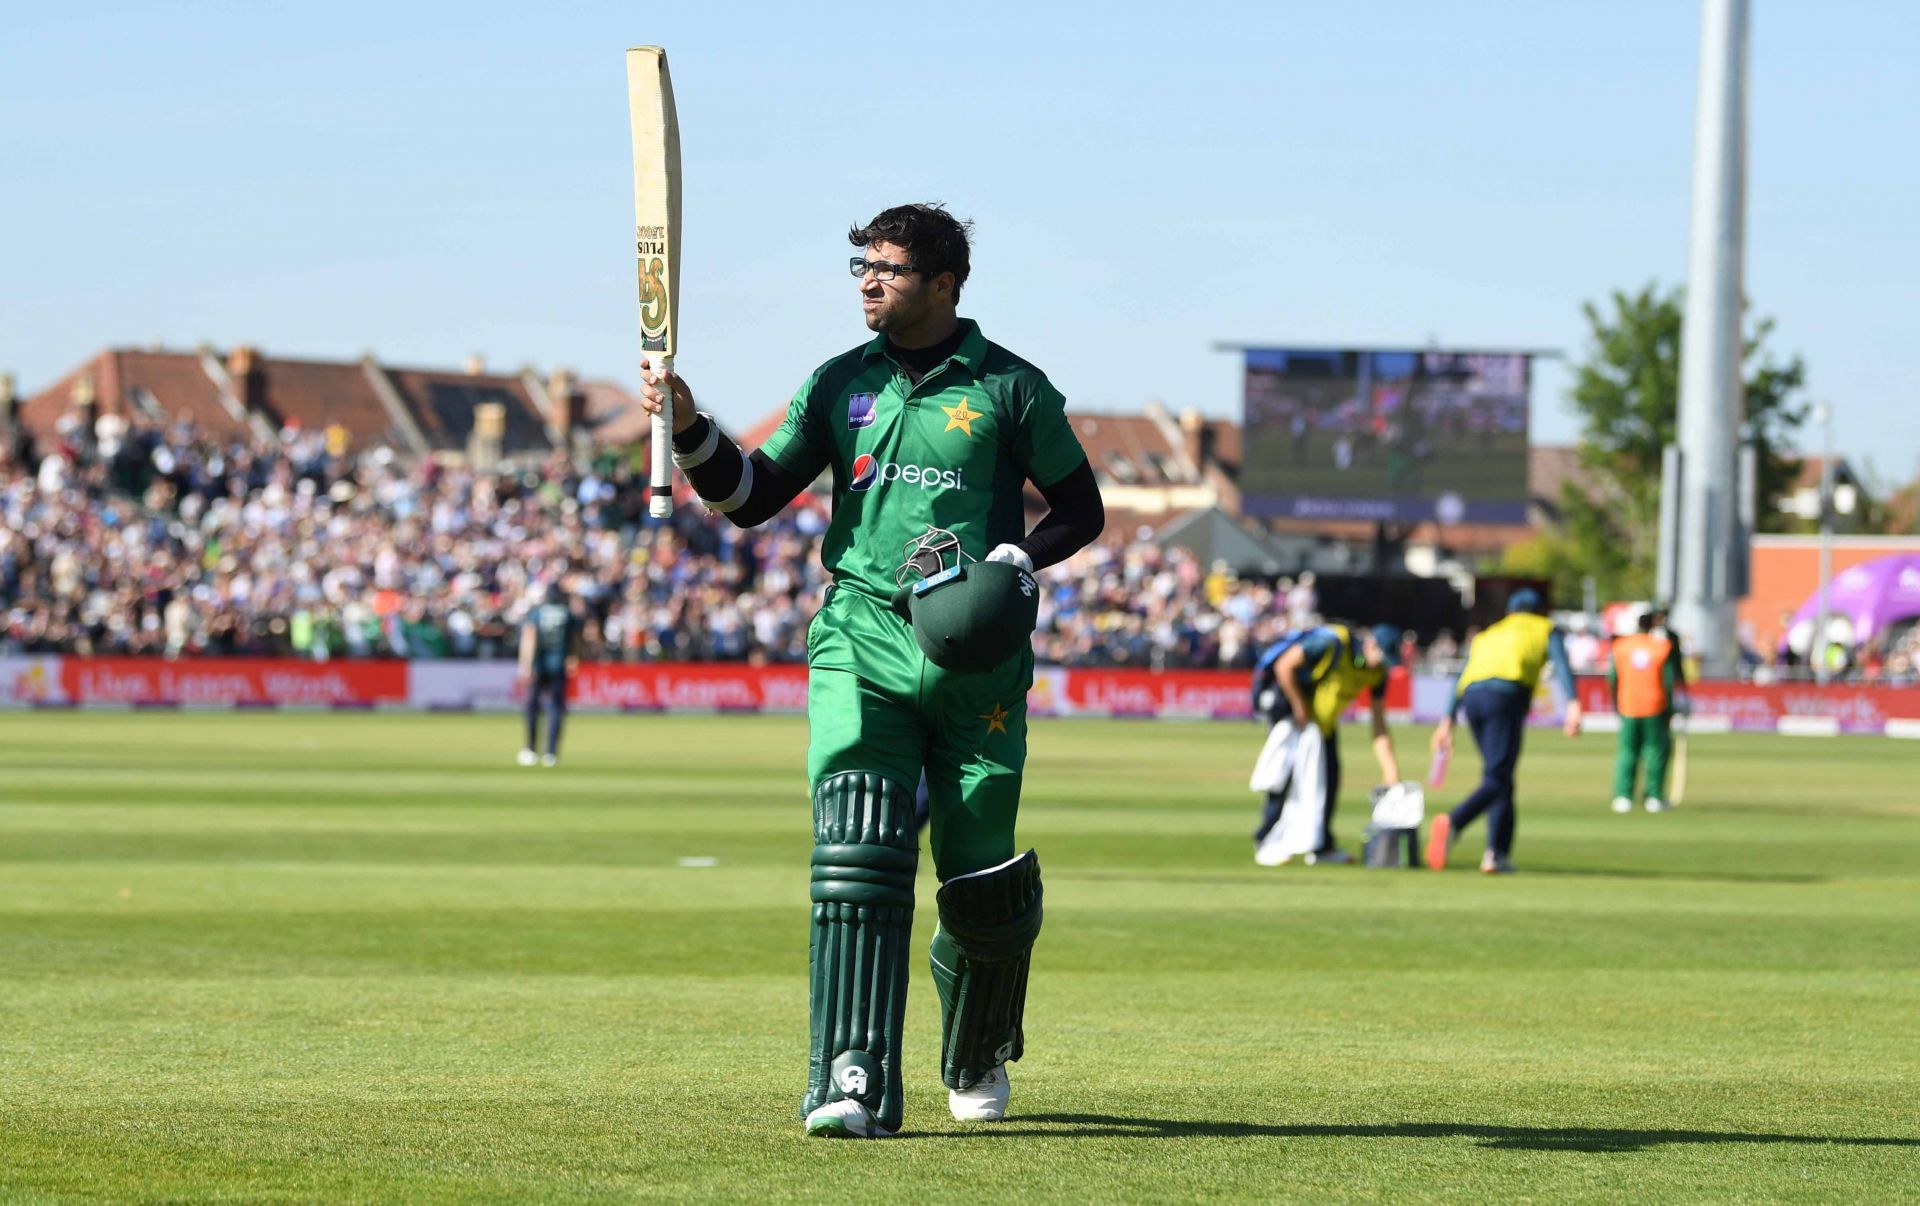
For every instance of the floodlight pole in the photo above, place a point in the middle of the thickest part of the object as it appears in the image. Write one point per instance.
(1711, 401)
(1817, 647)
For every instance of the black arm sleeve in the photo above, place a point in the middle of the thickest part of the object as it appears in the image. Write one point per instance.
(1075, 520)
(717, 479)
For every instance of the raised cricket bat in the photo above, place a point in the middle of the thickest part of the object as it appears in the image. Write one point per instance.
(656, 220)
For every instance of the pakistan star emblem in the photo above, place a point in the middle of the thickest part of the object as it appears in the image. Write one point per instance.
(961, 416)
(996, 719)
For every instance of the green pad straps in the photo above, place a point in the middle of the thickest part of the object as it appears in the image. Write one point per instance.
(864, 855)
(863, 874)
(981, 952)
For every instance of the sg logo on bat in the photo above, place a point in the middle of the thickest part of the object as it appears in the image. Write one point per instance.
(654, 315)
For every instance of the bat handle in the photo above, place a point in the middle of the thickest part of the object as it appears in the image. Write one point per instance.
(660, 496)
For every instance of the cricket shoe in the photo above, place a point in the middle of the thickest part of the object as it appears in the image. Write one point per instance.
(986, 1101)
(528, 757)
(845, 1119)
(1493, 865)
(1268, 854)
(1329, 858)
(1622, 804)
(1439, 842)
(550, 760)
(1656, 804)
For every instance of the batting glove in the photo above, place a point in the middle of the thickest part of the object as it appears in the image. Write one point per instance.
(1012, 554)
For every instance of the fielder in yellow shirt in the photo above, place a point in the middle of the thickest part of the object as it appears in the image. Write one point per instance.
(1495, 689)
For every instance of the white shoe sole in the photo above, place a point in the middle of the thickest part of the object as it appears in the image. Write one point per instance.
(982, 1103)
(833, 1121)
(975, 1111)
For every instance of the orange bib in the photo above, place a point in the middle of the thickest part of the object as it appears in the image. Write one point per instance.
(1639, 663)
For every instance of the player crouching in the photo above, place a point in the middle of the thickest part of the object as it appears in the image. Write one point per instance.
(1302, 684)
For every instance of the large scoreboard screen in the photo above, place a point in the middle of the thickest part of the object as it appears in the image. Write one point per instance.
(1392, 436)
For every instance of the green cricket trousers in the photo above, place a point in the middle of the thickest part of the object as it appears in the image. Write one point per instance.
(1648, 739)
(876, 705)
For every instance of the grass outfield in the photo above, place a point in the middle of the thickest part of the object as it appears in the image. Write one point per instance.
(338, 957)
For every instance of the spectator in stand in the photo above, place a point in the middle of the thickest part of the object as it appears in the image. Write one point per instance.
(1583, 647)
(154, 539)
(1303, 603)
(281, 547)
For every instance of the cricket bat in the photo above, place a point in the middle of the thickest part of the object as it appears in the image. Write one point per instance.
(656, 220)
(1679, 791)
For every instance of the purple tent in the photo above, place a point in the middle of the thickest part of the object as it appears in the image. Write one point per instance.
(1870, 596)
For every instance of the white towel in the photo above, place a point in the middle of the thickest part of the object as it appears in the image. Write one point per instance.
(1399, 806)
(1302, 827)
(1276, 758)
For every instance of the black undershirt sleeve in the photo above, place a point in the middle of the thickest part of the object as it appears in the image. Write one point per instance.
(1075, 519)
(717, 479)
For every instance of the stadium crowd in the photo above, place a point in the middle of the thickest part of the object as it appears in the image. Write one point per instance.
(153, 540)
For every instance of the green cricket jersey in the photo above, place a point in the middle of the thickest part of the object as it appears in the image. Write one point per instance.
(954, 451)
(554, 629)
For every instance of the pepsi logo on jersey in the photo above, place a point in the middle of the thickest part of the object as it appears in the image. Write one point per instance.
(868, 470)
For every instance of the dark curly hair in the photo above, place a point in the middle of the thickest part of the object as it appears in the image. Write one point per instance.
(935, 239)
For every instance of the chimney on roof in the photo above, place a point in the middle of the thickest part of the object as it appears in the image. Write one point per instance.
(489, 433)
(249, 385)
(1198, 437)
(568, 404)
(476, 365)
(84, 399)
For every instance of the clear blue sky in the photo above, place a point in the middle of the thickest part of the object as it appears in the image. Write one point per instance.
(433, 180)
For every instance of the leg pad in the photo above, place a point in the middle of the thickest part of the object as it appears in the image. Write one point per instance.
(864, 856)
(981, 952)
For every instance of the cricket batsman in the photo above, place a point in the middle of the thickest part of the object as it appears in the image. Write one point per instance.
(920, 659)
(1643, 677)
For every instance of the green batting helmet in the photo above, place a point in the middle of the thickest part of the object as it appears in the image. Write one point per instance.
(971, 617)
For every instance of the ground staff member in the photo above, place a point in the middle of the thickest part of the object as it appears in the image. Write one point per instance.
(930, 433)
(549, 656)
(1643, 676)
(1495, 690)
(1311, 678)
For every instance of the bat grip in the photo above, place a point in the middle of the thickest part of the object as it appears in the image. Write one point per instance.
(660, 495)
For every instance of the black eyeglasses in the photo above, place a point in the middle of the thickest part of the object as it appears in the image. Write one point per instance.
(882, 271)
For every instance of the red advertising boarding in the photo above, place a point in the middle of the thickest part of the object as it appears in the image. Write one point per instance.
(702, 686)
(1220, 694)
(58, 681)
(231, 682)
(1753, 706)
